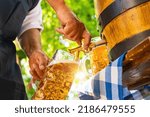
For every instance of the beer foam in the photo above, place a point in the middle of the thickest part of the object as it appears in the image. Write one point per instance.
(62, 61)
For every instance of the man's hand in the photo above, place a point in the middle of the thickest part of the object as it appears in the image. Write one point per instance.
(30, 42)
(72, 28)
(75, 30)
(38, 62)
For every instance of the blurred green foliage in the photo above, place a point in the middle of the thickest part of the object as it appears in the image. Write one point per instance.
(84, 9)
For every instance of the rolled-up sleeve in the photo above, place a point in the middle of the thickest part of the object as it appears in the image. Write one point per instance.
(32, 20)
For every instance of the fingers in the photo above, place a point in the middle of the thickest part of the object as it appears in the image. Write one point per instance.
(76, 31)
(68, 32)
(38, 71)
(38, 62)
(72, 32)
(71, 35)
(79, 42)
(38, 68)
(86, 39)
(60, 30)
(78, 38)
(42, 62)
(35, 78)
(34, 75)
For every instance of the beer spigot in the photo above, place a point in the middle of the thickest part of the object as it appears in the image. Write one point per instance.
(76, 51)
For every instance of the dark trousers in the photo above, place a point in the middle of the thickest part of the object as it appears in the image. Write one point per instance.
(11, 82)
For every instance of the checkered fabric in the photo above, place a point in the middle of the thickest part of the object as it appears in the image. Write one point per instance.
(107, 85)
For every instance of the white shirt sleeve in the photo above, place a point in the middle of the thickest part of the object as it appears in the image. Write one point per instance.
(32, 20)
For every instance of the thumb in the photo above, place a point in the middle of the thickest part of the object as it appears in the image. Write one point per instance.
(79, 42)
(60, 30)
(42, 62)
(86, 39)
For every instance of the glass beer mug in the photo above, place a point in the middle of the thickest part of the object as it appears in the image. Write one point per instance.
(58, 78)
(98, 55)
(99, 58)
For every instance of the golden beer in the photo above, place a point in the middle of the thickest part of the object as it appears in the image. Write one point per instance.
(99, 58)
(57, 81)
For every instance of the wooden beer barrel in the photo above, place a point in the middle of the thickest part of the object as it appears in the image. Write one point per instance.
(125, 23)
(100, 5)
(136, 66)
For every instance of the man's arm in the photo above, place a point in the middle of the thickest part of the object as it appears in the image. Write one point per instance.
(30, 42)
(72, 28)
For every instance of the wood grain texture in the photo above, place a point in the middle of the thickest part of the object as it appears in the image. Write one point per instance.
(136, 66)
(100, 5)
(127, 24)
